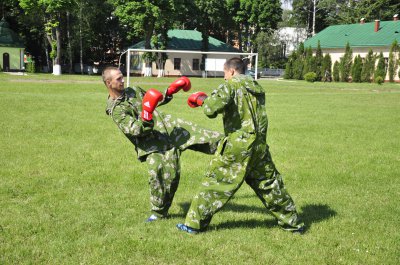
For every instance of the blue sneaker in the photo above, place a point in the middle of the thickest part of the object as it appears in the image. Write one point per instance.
(152, 218)
(187, 229)
(299, 231)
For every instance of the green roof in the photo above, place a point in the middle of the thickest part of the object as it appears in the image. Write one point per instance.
(357, 35)
(190, 40)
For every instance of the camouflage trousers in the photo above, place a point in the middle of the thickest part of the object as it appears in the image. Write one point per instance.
(240, 157)
(164, 175)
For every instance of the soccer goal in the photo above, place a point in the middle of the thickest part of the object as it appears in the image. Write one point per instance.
(181, 62)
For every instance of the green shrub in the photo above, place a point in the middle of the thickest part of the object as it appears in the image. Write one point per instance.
(380, 70)
(379, 80)
(336, 76)
(356, 69)
(310, 77)
(30, 67)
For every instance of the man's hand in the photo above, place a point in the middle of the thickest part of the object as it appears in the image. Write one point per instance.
(181, 83)
(196, 99)
(149, 103)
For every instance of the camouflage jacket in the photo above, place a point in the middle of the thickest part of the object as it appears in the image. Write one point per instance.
(160, 134)
(241, 101)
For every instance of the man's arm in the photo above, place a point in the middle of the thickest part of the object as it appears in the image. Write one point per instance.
(217, 101)
(129, 122)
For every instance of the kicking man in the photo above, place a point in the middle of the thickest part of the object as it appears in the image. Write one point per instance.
(158, 138)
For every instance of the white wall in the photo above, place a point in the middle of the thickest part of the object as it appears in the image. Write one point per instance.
(187, 63)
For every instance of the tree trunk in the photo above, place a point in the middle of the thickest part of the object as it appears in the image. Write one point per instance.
(69, 44)
(314, 13)
(80, 40)
(240, 37)
(57, 61)
(147, 45)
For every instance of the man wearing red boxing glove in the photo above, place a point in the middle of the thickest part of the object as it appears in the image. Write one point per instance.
(149, 103)
(196, 99)
(243, 155)
(159, 139)
(181, 83)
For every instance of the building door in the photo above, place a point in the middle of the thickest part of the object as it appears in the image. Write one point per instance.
(6, 62)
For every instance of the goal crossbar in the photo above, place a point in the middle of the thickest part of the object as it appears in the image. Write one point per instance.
(128, 51)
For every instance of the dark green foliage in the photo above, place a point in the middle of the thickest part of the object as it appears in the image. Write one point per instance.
(308, 61)
(345, 64)
(368, 67)
(356, 69)
(298, 64)
(379, 80)
(30, 67)
(393, 62)
(310, 77)
(289, 69)
(326, 68)
(336, 75)
(318, 62)
(380, 68)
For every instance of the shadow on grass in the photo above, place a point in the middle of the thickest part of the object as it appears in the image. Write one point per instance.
(310, 214)
(315, 213)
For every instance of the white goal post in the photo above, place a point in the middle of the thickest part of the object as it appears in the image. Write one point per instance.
(129, 51)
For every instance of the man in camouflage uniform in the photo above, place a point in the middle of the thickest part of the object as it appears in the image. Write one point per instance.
(243, 155)
(158, 141)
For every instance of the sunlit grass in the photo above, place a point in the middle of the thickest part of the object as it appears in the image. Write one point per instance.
(72, 190)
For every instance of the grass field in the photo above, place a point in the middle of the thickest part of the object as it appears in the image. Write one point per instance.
(73, 192)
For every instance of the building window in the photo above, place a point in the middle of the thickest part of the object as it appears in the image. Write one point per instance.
(196, 64)
(177, 63)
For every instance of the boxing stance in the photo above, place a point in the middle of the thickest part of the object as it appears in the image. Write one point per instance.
(159, 139)
(243, 154)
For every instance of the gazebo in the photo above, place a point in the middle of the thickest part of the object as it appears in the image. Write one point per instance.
(11, 49)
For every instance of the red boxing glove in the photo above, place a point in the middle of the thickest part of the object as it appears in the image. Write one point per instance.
(196, 99)
(149, 103)
(181, 83)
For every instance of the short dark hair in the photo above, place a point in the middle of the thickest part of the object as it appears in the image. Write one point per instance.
(237, 64)
(106, 72)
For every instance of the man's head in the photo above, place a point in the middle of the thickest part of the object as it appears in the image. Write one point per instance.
(233, 66)
(114, 81)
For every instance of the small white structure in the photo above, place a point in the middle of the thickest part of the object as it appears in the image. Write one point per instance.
(184, 56)
(291, 37)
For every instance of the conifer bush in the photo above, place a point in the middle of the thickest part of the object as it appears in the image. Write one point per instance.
(310, 77)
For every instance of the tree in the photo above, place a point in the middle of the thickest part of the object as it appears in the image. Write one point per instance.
(52, 11)
(289, 69)
(253, 17)
(368, 68)
(393, 62)
(270, 50)
(150, 19)
(298, 65)
(311, 14)
(380, 68)
(308, 61)
(326, 67)
(356, 69)
(336, 74)
(345, 64)
(350, 11)
(318, 62)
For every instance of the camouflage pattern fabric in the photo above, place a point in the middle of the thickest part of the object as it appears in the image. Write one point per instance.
(164, 174)
(159, 142)
(243, 155)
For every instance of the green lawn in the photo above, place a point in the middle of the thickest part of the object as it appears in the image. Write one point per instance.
(73, 192)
